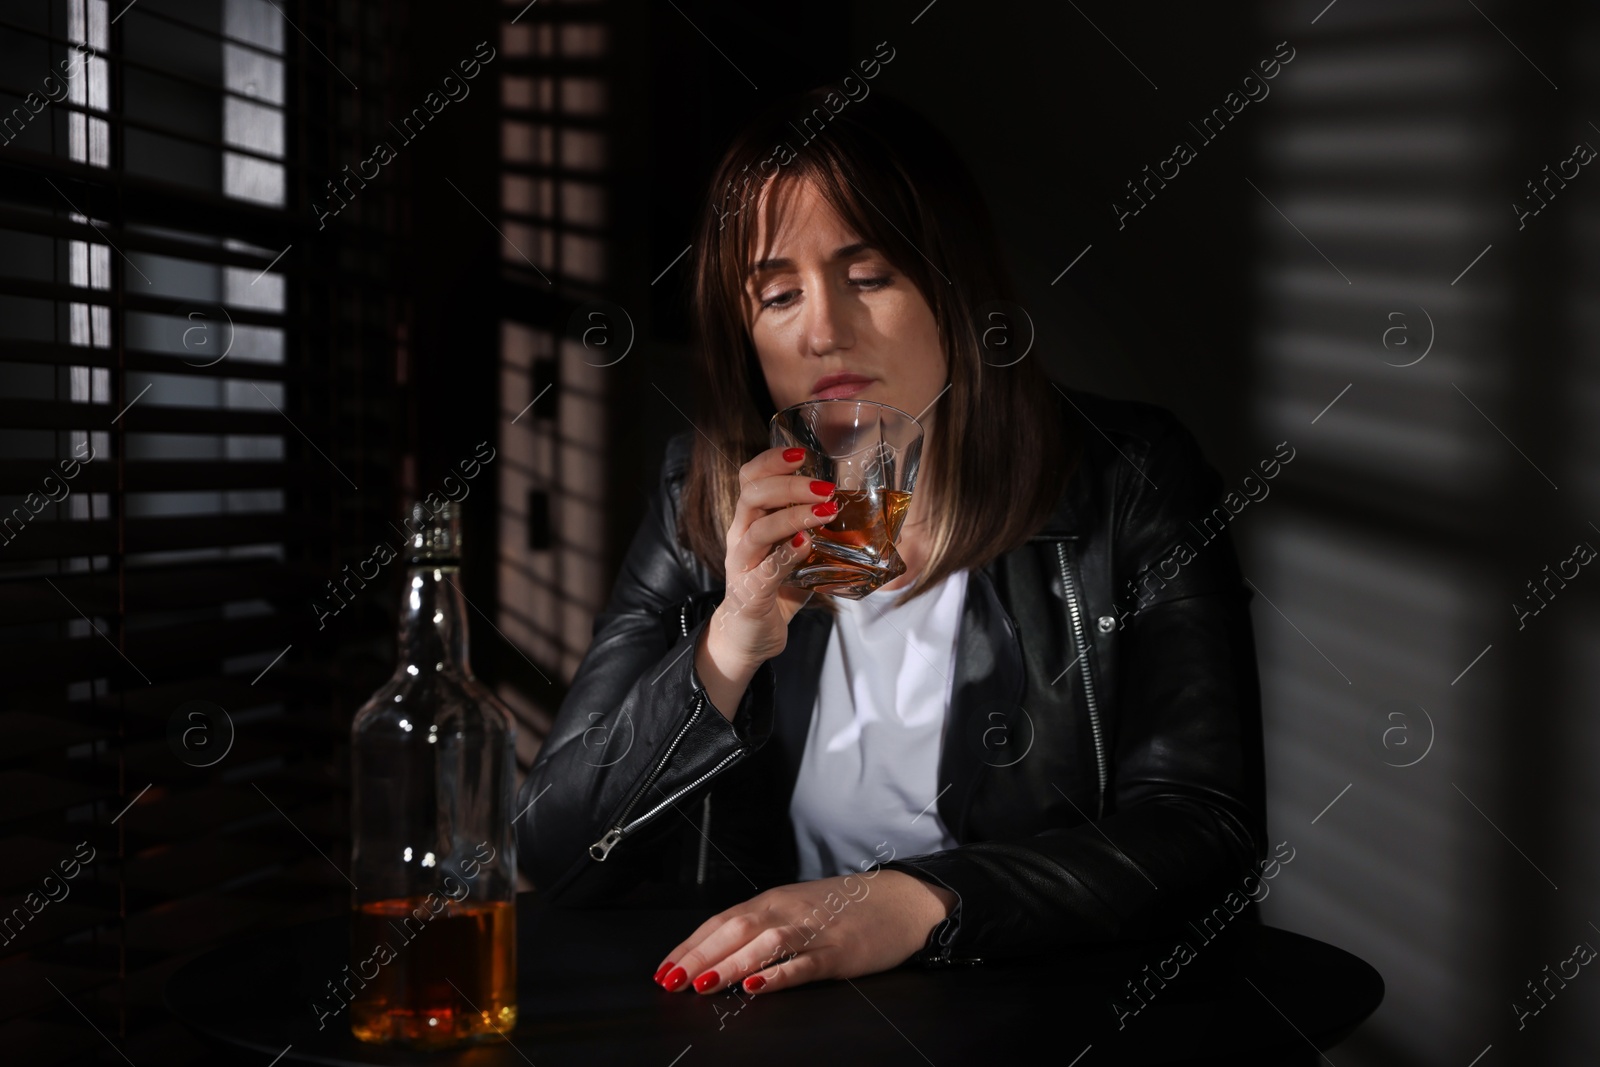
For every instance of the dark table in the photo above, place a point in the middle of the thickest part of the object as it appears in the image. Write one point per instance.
(1253, 995)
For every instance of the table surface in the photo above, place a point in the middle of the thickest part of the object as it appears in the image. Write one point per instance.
(1254, 994)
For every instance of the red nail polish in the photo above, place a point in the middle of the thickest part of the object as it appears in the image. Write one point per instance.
(822, 488)
(675, 979)
(754, 983)
(797, 540)
(824, 509)
(662, 972)
(705, 981)
(793, 455)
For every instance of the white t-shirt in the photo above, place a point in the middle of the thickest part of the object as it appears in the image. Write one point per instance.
(868, 779)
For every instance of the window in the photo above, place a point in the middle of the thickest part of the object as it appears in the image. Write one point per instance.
(184, 465)
(556, 346)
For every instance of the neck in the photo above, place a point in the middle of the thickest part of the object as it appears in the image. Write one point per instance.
(433, 619)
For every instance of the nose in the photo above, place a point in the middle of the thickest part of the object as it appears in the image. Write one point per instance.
(828, 320)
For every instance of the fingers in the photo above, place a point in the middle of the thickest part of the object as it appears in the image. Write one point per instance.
(769, 487)
(764, 484)
(770, 536)
(779, 527)
(761, 586)
(806, 967)
(716, 940)
(764, 950)
(670, 975)
(755, 490)
(752, 947)
(771, 461)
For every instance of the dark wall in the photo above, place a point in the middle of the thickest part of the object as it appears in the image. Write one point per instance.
(1054, 122)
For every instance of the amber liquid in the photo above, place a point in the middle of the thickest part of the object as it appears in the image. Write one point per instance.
(855, 554)
(452, 978)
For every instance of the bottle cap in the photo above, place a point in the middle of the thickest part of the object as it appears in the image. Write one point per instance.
(433, 535)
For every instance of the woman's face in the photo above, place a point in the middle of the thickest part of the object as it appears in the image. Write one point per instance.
(821, 304)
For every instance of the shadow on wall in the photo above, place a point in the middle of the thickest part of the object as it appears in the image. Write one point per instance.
(1424, 726)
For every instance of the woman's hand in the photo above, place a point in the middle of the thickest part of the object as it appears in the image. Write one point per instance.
(769, 538)
(830, 928)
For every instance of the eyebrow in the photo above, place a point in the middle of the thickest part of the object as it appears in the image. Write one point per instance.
(776, 264)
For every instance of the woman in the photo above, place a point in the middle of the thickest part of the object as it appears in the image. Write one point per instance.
(1045, 732)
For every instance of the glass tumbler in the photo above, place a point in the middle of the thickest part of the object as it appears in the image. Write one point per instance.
(870, 452)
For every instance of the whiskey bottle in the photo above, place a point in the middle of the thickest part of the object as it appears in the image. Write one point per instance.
(433, 937)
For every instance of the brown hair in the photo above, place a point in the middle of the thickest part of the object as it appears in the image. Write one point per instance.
(1001, 452)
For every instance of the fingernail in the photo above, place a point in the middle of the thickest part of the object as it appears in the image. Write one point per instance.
(824, 509)
(754, 983)
(675, 979)
(662, 973)
(705, 981)
(793, 455)
(822, 488)
(797, 540)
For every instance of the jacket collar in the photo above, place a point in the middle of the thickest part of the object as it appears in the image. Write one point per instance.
(988, 674)
(799, 669)
(1066, 521)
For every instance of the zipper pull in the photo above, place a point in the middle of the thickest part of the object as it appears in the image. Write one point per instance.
(602, 848)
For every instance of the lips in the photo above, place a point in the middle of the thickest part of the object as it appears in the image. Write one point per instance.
(834, 386)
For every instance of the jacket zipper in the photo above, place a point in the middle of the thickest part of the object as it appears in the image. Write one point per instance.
(1082, 644)
(623, 827)
(602, 848)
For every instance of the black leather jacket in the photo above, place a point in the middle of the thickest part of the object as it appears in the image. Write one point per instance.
(1102, 763)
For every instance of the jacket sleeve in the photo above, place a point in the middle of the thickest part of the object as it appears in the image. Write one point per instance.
(634, 730)
(1185, 815)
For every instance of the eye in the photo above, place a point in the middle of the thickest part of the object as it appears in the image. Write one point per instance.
(870, 283)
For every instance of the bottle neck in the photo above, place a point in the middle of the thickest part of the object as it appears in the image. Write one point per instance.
(433, 618)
